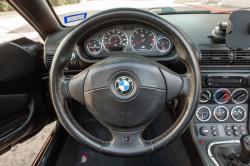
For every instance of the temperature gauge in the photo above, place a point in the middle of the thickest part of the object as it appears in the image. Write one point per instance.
(238, 113)
(163, 44)
(221, 113)
(203, 113)
(94, 47)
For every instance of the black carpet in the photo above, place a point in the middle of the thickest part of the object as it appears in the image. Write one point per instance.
(72, 152)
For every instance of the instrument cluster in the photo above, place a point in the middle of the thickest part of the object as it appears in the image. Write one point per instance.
(137, 39)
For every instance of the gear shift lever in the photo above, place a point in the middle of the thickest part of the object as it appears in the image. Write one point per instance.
(244, 157)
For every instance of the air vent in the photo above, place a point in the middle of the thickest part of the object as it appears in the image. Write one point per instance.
(242, 57)
(49, 60)
(215, 57)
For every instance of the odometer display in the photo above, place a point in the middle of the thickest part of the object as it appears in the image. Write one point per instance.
(115, 40)
(142, 39)
(203, 113)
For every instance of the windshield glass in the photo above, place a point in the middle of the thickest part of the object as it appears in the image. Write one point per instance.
(72, 12)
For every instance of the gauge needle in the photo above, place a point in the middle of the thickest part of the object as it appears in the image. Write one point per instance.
(139, 42)
(92, 48)
(217, 114)
(112, 43)
(161, 46)
(235, 114)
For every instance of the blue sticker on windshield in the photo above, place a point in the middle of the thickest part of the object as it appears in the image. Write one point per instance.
(75, 17)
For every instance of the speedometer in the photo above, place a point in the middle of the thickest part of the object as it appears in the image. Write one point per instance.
(142, 39)
(115, 40)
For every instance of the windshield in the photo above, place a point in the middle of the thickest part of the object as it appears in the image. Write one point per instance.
(72, 12)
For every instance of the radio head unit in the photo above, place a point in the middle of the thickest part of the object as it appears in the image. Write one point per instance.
(225, 81)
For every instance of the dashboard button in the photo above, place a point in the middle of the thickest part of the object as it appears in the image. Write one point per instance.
(229, 133)
(242, 133)
(234, 127)
(227, 128)
(241, 128)
(213, 128)
(204, 131)
(214, 133)
(210, 82)
(236, 133)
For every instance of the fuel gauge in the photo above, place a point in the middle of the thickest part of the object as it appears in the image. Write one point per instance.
(94, 47)
(163, 44)
(221, 113)
(238, 113)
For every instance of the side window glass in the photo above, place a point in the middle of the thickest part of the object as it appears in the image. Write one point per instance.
(13, 26)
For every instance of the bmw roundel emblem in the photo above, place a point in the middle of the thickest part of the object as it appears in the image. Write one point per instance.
(124, 85)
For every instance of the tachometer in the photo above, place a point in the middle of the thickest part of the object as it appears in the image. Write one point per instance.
(115, 40)
(142, 39)
(94, 47)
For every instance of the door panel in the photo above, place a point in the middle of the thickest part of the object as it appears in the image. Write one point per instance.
(22, 108)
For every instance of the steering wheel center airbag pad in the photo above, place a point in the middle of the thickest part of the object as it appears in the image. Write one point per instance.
(154, 84)
(130, 112)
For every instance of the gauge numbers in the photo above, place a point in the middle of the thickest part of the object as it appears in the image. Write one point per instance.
(238, 113)
(203, 113)
(142, 39)
(221, 113)
(94, 47)
(115, 40)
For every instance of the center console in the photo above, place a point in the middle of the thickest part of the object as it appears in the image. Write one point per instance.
(222, 114)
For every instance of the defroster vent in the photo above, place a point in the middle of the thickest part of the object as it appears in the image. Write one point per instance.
(215, 57)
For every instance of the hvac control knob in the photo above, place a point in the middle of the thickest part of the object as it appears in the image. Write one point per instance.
(206, 96)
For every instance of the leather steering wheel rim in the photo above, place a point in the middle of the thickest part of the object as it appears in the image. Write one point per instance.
(60, 93)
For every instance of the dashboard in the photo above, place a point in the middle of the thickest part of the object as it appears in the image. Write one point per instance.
(128, 38)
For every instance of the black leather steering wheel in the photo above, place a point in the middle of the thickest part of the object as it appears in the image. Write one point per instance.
(125, 111)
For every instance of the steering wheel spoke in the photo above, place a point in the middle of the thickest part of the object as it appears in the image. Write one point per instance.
(174, 84)
(187, 82)
(76, 87)
(125, 142)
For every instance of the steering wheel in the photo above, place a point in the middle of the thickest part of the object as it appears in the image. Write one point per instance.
(125, 92)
